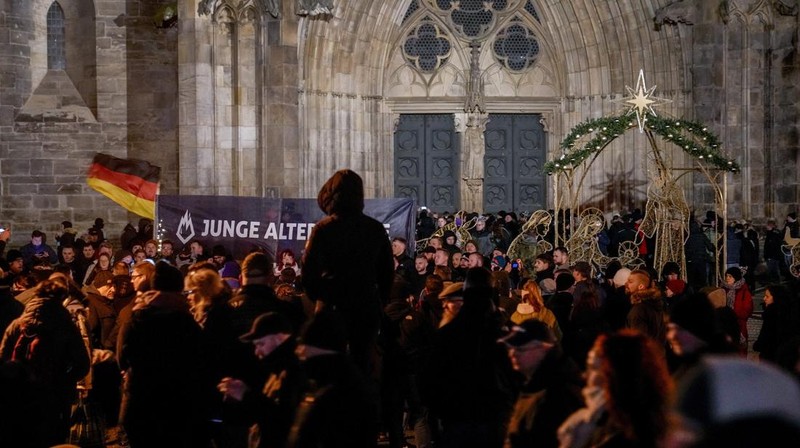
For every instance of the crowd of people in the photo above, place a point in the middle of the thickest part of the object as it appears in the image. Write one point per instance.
(362, 340)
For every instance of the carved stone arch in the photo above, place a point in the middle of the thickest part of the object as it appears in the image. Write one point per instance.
(546, 45)
(211, 7)
(249, 14)
(225, 14)
(458, 57)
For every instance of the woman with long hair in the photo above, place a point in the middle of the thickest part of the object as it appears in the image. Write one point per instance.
(781, 321)
(103, 263)
(532, 307)
(203, 289)
(628, 392)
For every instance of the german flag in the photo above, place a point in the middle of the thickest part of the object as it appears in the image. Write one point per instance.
(130, 183)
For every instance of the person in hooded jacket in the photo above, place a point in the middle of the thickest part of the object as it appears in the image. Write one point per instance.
(56, 358)
(356, 290)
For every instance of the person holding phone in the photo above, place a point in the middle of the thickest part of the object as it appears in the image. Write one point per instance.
(37, 251)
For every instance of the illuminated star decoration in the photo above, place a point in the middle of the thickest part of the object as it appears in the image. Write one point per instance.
(641, 100)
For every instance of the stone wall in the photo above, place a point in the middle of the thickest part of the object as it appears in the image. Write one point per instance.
(744, 71)
(152, 89)
(48, 134)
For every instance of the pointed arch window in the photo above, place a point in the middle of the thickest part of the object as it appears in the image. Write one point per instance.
(56, 56)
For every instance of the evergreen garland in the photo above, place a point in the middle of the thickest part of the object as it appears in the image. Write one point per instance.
(693, 138)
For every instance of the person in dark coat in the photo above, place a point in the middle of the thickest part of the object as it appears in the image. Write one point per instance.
(339, 409)
(56, 358)
(698, 250)
(224, 354)
(693, 332)
(257, 297)
(357, 290)
(425, 225)
(773, 255)
(159, 351)
(273, 406)
(468, 382)
(781, 322)
(406, 337)
(560, 303)
(551, 389)
(107, 298)
(10, 308)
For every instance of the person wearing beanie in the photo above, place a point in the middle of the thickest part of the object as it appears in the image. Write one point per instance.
(617, 303)
(674, 290)
(340, 407)
(740, 300)
(47, 345)
(15, 269)
(124, 256)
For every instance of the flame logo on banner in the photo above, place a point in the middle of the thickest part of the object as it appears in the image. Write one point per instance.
(185, 228)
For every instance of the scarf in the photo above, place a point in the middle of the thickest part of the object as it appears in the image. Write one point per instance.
(730, 292)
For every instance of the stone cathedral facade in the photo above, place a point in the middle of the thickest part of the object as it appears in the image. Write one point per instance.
(456, 104)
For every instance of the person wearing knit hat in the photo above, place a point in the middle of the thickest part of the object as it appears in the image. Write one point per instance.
(123, 255)
(548, 286)
(16, 264)
(675, 287)
(621, 277)
(564, 282)
(674, 290)
(167, 278)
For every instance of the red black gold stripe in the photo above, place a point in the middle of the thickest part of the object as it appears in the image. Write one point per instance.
(130, 183)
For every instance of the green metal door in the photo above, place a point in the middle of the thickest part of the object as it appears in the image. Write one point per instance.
(426, 161)
(515, 154)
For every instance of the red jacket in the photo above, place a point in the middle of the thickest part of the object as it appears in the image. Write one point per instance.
(743, 307)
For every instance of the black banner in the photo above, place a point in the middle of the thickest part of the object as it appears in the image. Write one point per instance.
(243, 224)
